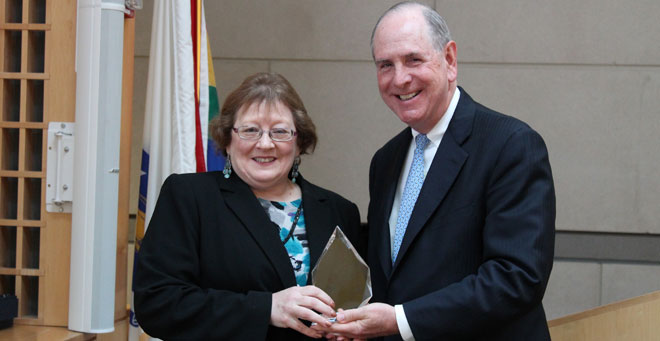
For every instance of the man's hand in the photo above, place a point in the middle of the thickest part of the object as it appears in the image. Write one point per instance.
(372, 320)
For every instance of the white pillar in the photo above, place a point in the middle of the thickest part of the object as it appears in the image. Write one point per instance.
(99, 51)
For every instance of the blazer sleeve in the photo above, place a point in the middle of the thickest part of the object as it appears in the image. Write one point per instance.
(169, 302)
(517, 254)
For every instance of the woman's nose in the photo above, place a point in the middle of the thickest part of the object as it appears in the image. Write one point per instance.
(265, 141)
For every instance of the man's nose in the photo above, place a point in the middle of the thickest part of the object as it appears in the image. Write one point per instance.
(401, 77)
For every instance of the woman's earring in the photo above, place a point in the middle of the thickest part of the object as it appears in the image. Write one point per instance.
(227, 170)
(294, 169)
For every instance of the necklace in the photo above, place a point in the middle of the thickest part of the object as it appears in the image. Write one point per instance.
(295, 223)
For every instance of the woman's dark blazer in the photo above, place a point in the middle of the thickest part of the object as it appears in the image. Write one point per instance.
(211, 258)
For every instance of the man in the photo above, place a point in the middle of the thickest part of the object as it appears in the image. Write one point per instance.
(462, 210)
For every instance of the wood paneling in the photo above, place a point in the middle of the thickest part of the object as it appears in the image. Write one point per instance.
(633, 319)
(40, 38)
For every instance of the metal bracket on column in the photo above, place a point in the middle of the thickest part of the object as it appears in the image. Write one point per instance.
(59, 169)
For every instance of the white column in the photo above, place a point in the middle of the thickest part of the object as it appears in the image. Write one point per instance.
(99, 50)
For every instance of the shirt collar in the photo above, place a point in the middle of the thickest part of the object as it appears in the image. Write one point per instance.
(438, 131)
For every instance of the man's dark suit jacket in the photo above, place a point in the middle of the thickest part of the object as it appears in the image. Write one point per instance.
(478, 249)
(211, 258)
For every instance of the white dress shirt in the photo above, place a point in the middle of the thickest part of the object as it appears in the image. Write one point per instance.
(435, 137)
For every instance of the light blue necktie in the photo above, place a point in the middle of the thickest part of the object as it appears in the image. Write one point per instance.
(410, 192)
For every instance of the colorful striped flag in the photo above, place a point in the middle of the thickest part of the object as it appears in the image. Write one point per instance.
(181, 100)
(214, 159)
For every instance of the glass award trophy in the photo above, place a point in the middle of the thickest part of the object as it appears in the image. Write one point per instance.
(342, 273)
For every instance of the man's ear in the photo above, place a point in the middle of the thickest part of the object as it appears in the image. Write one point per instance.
(451, 60)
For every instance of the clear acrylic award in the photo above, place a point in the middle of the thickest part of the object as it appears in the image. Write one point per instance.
(342, 273)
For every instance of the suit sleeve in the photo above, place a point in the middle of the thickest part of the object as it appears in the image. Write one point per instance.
(518, 249)
(169, 301)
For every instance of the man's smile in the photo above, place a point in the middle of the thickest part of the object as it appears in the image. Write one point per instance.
(408, 96)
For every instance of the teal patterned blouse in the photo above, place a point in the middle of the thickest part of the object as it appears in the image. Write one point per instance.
(283, 214)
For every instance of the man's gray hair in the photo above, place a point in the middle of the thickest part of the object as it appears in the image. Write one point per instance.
(438, 29)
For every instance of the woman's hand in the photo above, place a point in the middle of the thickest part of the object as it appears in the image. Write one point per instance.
(292, 304)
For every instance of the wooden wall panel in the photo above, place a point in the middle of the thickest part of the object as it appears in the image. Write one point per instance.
(38, 86)
(633, 319)
(59, 106)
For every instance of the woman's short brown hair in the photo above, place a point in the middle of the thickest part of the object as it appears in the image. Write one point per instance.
(268, 87)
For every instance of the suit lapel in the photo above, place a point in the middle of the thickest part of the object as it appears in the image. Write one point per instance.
(447, 164)
(392, 172)
(240, 199)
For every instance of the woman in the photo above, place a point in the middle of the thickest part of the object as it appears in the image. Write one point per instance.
(228, 254)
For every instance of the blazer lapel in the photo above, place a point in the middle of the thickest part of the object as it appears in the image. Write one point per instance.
(446, 165)
(240, 199)
(318, 221)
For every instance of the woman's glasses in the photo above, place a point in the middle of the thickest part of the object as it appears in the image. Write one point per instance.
(254, 133)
